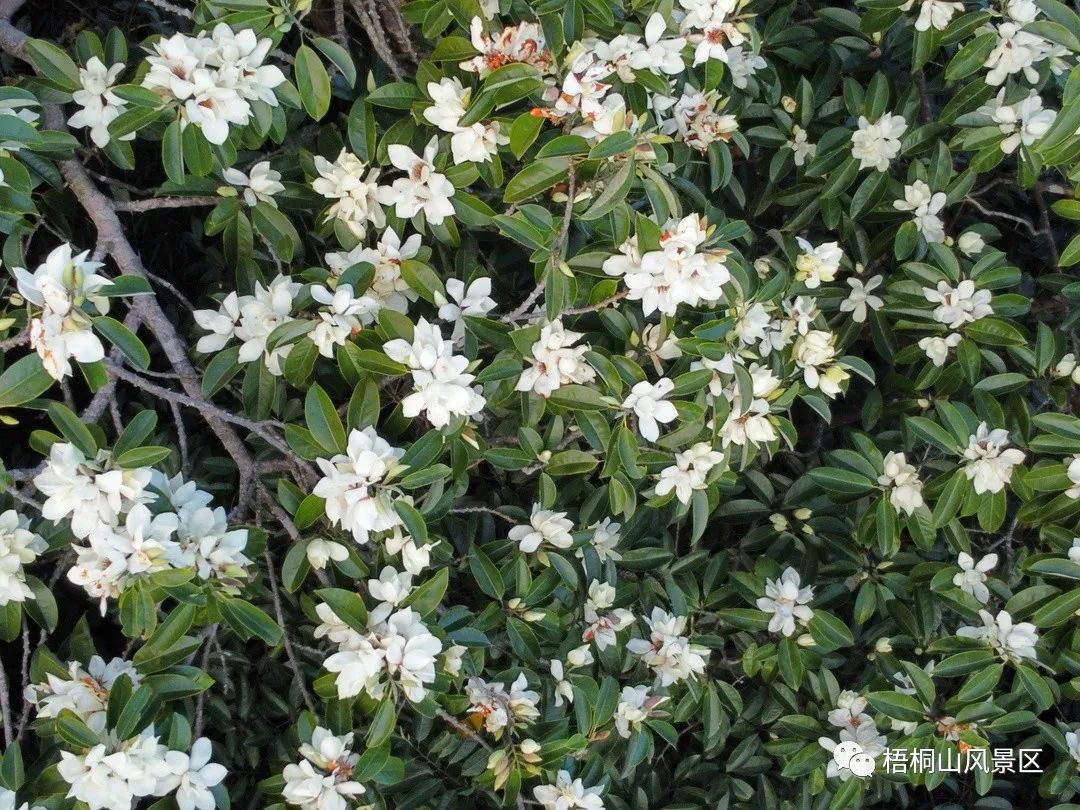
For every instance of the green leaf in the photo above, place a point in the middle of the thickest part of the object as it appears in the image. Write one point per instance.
(829, 632)
(72, 428)
(897, 705)
(382, 724)
(124, 339)
(338, 56)
(395, 95)
(1058, 610)
(249, 621)
(323, 420)
(535, 178)
(172, 152)
(844, 482)
(22, 381)
(53, 63)
(427, 597)
(277, 229)
(347, 606)
(312, 81)
(486, 574)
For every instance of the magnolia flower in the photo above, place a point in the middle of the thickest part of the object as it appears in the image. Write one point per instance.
(567, 794)
(1015, 51)
(192, 775)
(860, 299)
(972, 575)
(749, 425)
(667, 651)
(497, 707)
(902, 481)
(934, 14)
(989, 462)
(937, 348)
(556, 361)
(1072, 741)
(100, 106)
(817, 264)
(875, 145)
(449, 100)
(84, 691)
(604, 541)
(603, 622)
(648, 402)
(815, 354)
(319, 552)
(800, 145)
(518, 43)
(926, 207)
(355, 189)
(1073, 472)
(260, 185)
(866, 736)
(1022, 123)
(850, 711)
(1012, 642)
(545, 526)
(958, 305)
(787, 601)
(18, 548)
(689, 472)
(634, 708)
(388, 287)
(391, 587)
(970, 243)
(475, 300)
(422, 189)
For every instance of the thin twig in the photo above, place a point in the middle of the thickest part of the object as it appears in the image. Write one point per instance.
(271, 574)
(155, 203)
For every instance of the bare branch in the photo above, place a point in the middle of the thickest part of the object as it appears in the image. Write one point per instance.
(154, 203)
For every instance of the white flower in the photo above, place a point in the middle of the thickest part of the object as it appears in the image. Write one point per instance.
(319, 552)
(84, 692)
(388, 287)
(517, 43)
(868, 738)
(750, 425)
(926, 207)
(63, 282)
(478, 143)
(633, 709)
(605, 540)
(667, 651)
(449, 100)
(351, 485)
(850, 711)
(1012, 642)
(958, 305)
(355, 189)
(1022, 123)
(59, 340)
(1073, 471)
(564, 690)
(648, 402)
(902, 481)
(82, 489)
(934, 14)
(874, 145)
(800, 145)
(972, 575)
(391, 587)
(1015, 51)
(815, 354)
(8, 798)
(970, 243)
(100, 106)
(422, 189)
(787, 601)
(603, 622)
(689, 472)
(499, 708)
(696, 117)
(192, 775)
(545, 526)
(414, 557)
(18, 547)
(556, 361)
(442, 388)
(937, 348)
(817, 264)
(473, 300)
(260, 314)
(330, 787)
(741, 65)
(860, 299)
(989, 460)
(567, 794)
(260, 185)
(453, 658)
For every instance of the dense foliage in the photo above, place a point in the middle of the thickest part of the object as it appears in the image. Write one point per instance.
(574, 404)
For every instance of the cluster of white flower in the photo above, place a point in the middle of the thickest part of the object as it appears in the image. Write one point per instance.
(989, 461)
(396, 649)
(1013, 642)
(556, 361)
(215, 77)
(388, 287)
(1019, 50)
(100, 105)
(125, 542)
(901, 480)
(250, 319)
(682, 271)
(499, 707)
(331, 786)
(522, 43)
(925, 207)
(568, 794)
(442, 385)
(817, 264)
(545, 527)
(118, 775)
(696, 117)
(650, 405)
(667, 651)
(955, 306)
(476, 143)
(62, 286)
(602, 621)
(788, 601)
(1022, 123)
(690, 471)
(18, 548)
(85, 690)
(856, 726)
(875, 145)
(355, 189)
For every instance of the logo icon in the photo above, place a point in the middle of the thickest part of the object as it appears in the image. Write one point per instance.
(850, 755)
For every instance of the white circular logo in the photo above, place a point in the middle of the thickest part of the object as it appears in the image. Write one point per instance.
(850, 755)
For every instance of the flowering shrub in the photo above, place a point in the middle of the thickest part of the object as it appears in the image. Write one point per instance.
(531, 404)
